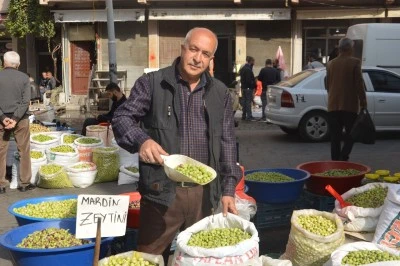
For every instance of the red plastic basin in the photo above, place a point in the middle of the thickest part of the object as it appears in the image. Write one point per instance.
(133, 214)
(316, 183)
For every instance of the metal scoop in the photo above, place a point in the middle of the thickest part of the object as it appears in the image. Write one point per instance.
(337, 196)
(173, 161)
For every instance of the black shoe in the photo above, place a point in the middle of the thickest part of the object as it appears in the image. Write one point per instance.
(28, 187)
(251, 119)
(2, 190)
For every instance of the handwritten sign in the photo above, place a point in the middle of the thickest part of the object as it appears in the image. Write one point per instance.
(111, 210)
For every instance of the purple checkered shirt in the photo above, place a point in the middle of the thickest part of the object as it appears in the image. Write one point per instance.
(192, 127)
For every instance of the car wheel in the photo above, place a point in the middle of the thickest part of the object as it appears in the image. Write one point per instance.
(314, 126)
(289, 131)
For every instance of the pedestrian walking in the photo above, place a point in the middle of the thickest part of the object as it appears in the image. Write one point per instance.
(15, 91)
(179, 109)
(346, 94)
(268, 76)
(248, 84)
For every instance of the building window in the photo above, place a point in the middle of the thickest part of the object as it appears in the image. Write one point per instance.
(322, 41)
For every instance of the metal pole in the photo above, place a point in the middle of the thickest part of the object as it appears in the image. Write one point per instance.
(112, 50)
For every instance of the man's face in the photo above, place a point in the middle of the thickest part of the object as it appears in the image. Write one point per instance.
(112, 96)
(197, 53)
(44, 75)
(49, 75)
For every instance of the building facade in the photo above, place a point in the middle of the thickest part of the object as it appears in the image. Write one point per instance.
(149, 32)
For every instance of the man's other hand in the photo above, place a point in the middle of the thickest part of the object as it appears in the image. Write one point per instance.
(228, 205)
(150, 152)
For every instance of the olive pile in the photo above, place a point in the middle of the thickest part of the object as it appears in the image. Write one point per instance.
(36, 128)
(272, 177)
(339, 172)
(82, 166)
(362, 257)
(36, 154)
(50, 169)
(219, 237)
(130, 261)
(86, 140)
(132, 169)
(69, 139)
(372, 198)
(199, 174)
(62, 148)
(317, 224)
(51, 238)
(134, 204)
(42, 138)
(50, 209)
(107, 162)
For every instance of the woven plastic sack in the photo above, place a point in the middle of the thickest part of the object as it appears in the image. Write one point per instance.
(62, 158)
(44, 145)
(68, 137)
(127, 177)
(82, 177)
(85, 151)
(107, 162)
(58, 179)
(338, 255)
(305, 248)
(387, 231)
(103, 132)
(240, 254)
(125, 157)
(358, 219)
(157, 259)
(268, 261)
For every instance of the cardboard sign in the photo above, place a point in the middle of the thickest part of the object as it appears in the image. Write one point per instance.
(110, 209)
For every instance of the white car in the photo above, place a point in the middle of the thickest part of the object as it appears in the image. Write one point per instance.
(299, 104)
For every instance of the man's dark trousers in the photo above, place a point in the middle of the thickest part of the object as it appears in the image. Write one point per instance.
(247, 99)
(338, 120)
(264, 103)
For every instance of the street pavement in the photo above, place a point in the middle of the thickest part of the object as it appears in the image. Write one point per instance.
(261, 145)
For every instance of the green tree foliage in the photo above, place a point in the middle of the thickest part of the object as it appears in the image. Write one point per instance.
(29, 17)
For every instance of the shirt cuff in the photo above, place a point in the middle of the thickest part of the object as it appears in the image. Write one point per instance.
(141, 139)
(229, 186)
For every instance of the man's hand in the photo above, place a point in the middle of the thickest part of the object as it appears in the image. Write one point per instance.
(150, 152)
(228, 205)
(6, 121)
(11, 124)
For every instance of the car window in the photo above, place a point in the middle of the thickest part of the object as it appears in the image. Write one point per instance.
(296, 79)
(384, 82)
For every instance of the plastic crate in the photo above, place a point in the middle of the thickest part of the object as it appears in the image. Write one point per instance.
(309, 200)
(273, 215)
(127, 242)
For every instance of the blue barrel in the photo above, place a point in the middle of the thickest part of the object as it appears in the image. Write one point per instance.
(77, 256)
(23, 219)
(285, 192)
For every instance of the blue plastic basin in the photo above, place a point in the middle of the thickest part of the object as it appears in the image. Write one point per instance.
(266, 192)
(77, 256)
(23, 219)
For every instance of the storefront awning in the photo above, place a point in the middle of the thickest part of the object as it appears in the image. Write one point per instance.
(80, 16)
(220, 14)
(340, 13)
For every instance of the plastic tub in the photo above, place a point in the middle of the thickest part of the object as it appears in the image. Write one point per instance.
(77, 256)
(286, 192)
(23, 219)
(133, 214)
(316, 184)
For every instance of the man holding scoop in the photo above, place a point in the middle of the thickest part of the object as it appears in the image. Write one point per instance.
(180, 109)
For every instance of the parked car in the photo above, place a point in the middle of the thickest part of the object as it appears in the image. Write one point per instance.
(299, 104)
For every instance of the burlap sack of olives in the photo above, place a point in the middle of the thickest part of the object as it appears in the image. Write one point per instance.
(107, 162)
(314, 235)
(53, 176)
(367, 206)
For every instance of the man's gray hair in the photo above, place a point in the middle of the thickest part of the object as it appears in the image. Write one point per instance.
(189, 35)
(11, 59)
(345, 44)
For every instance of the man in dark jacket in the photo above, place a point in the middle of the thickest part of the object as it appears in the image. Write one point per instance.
(180, 109)
(117, 97)
(15, 91)
(268, 76)
(248, 84)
